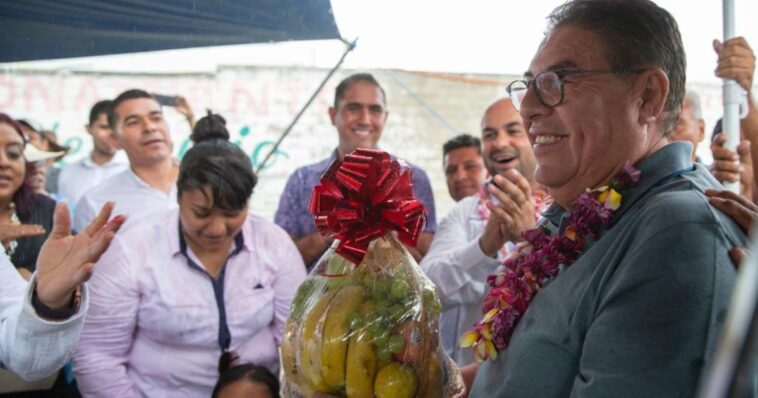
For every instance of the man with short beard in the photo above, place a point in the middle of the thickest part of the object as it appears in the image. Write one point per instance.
(477, 234)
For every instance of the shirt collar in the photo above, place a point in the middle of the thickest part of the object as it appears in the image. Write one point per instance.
(87, 162)
(176, 239)
(335, 154)
(670, 161)
(142, 183)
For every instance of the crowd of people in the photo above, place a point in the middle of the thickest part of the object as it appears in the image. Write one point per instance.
(187, 291)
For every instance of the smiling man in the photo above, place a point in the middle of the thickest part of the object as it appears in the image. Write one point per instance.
(480, 231)
(623, 301)
(463, 166)
(359, 114)
(149, 184)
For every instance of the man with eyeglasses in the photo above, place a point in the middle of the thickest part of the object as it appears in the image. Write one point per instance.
(635, 310)
(481, 230)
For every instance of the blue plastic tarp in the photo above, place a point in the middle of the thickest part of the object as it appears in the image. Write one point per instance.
(50, 29)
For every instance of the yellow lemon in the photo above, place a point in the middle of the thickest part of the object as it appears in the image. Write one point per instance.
(395, 381)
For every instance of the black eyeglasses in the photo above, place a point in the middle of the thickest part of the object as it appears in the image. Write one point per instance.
(548, 85)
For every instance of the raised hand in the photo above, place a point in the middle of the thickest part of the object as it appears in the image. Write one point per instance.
(183, 107)
(736, 61)
(66, 261)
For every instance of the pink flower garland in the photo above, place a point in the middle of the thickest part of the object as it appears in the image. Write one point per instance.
(536, 260)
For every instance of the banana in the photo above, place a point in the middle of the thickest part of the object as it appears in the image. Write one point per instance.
(435, 378)
(289, 364)
(337, 333)
(309, 347)
(361, 366)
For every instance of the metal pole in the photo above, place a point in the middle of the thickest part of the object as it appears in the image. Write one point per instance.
(731, 93)
(728, 373)
(350, 47)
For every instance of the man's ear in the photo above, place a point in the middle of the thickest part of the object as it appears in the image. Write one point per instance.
(332, 114)
(700, 130)
(653, 86)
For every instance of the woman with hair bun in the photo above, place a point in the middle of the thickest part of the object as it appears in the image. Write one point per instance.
(180, 299)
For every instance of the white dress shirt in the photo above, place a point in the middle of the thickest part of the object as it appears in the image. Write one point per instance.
(459, 268)
(30, 346)
(134, 198)
(77, 178)
(153, 325)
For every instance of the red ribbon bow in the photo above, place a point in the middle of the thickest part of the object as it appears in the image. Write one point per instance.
(362, 197)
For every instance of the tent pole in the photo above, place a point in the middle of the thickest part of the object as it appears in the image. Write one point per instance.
(349, 47)
(731, 93)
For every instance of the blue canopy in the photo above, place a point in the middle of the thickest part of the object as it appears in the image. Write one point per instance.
(49, 29)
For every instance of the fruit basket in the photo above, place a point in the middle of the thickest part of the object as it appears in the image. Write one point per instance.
(365, 323)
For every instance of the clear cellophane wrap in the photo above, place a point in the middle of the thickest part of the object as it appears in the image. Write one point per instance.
(370, 330)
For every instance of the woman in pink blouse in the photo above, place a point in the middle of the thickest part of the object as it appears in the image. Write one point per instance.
(174, 301)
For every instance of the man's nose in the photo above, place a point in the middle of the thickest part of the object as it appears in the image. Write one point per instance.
(531, 106)
(460, 174)
(150, 125)
(365, 116)
(502, 140)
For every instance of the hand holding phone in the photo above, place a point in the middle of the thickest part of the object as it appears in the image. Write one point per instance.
(166, 100)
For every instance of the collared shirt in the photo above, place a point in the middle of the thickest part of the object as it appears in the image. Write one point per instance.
(459, 268)
(133, 197)
(30, 346)
(293, 213)
(639, 312)
(153, 325)
(77, 178)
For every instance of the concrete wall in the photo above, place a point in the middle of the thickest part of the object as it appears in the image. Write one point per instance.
(259, 103)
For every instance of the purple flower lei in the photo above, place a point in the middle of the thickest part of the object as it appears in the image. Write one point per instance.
(535, 260)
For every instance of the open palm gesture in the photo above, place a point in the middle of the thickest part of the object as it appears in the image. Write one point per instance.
(66, 261)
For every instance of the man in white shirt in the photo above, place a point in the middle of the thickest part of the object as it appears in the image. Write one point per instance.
(77, 178)
(40, 321)
(149, 184)
(473, 239)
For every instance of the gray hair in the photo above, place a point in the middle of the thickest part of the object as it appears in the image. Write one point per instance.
(695, 109)
(637, 34)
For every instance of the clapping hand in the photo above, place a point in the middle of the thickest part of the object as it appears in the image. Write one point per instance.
(511, 216)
